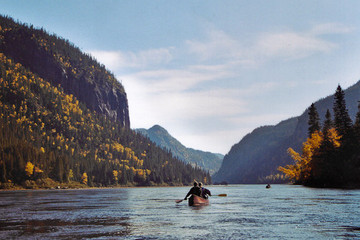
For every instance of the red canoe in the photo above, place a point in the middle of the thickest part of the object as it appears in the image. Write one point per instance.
(198, 201)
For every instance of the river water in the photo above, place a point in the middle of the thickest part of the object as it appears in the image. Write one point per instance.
(248, 212)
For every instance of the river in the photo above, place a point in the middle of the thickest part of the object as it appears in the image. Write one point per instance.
(248, 212)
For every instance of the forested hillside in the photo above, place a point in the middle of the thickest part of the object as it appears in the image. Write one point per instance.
(47, 133)
(206, 160)
(256, 157)
(61, 63)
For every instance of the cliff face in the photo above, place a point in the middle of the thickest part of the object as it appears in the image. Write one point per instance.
(61, 63)
(261, 152)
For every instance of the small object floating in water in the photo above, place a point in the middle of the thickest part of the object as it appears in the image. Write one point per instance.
(268, 186)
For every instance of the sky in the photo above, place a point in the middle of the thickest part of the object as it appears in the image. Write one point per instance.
(210, 71)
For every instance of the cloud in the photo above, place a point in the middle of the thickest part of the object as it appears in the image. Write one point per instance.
(287, 45)
(220, 49)
(217, 45)
(330, 28)
(295, 45)
(180, 79)
(127, 59)
(291, 45)
(172, 96)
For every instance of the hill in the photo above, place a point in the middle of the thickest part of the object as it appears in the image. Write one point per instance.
(61, 63)
(64, 117)
(206, 160)
(256, 157)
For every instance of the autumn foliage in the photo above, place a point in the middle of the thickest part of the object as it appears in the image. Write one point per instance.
(302, 170)
(328, 158)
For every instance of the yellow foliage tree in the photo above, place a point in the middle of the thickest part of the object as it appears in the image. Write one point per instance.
(29, 169)
(334, 137)
(42, 150)
(71, 175)
(301, 170)
(115, 175)
(84, 178)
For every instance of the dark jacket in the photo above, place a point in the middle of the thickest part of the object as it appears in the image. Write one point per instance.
(205, 192)
(195, 191)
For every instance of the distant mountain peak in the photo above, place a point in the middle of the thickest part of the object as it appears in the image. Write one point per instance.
(158, 128)
(206, 160)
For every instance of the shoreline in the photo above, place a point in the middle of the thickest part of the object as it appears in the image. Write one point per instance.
(73, 186)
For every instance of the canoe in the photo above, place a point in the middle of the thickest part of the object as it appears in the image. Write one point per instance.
(195, 201)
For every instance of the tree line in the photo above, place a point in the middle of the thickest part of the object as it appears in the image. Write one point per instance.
(331, 154)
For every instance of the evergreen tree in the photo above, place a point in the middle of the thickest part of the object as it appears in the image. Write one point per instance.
(328, 124)
(342, 120)
(355, 158)
(314, 119)
(357, 125)
(324, 164)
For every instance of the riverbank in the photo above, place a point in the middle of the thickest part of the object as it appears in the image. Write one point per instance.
(47, 183)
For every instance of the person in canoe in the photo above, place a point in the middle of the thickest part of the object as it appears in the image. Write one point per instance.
(195, 190)
(205, 193)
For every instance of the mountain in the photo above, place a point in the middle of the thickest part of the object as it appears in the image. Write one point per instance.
(64, 118)
(256, 157)
(61, 63)
(206, 160)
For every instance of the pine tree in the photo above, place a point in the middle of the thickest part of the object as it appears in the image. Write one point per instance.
(324, 163)
(328, 124)
(357, 125)
(314, 119)
(342, 120)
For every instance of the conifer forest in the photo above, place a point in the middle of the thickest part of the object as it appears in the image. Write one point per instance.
(331, 154)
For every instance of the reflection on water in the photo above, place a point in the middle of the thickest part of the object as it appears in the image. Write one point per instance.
(248, 211)
(49, 226)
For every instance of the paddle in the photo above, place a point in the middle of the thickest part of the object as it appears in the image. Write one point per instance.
(178, 201)
(222, 195)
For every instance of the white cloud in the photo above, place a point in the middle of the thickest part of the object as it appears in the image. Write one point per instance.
(292, 45)
(170, 98)
(295, 45)
(126, 59)
(330, 28)
(175, 80)
(217, 45)
(264, 47)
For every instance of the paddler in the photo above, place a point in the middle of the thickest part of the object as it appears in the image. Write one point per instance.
(204, 191)
(194, 190)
